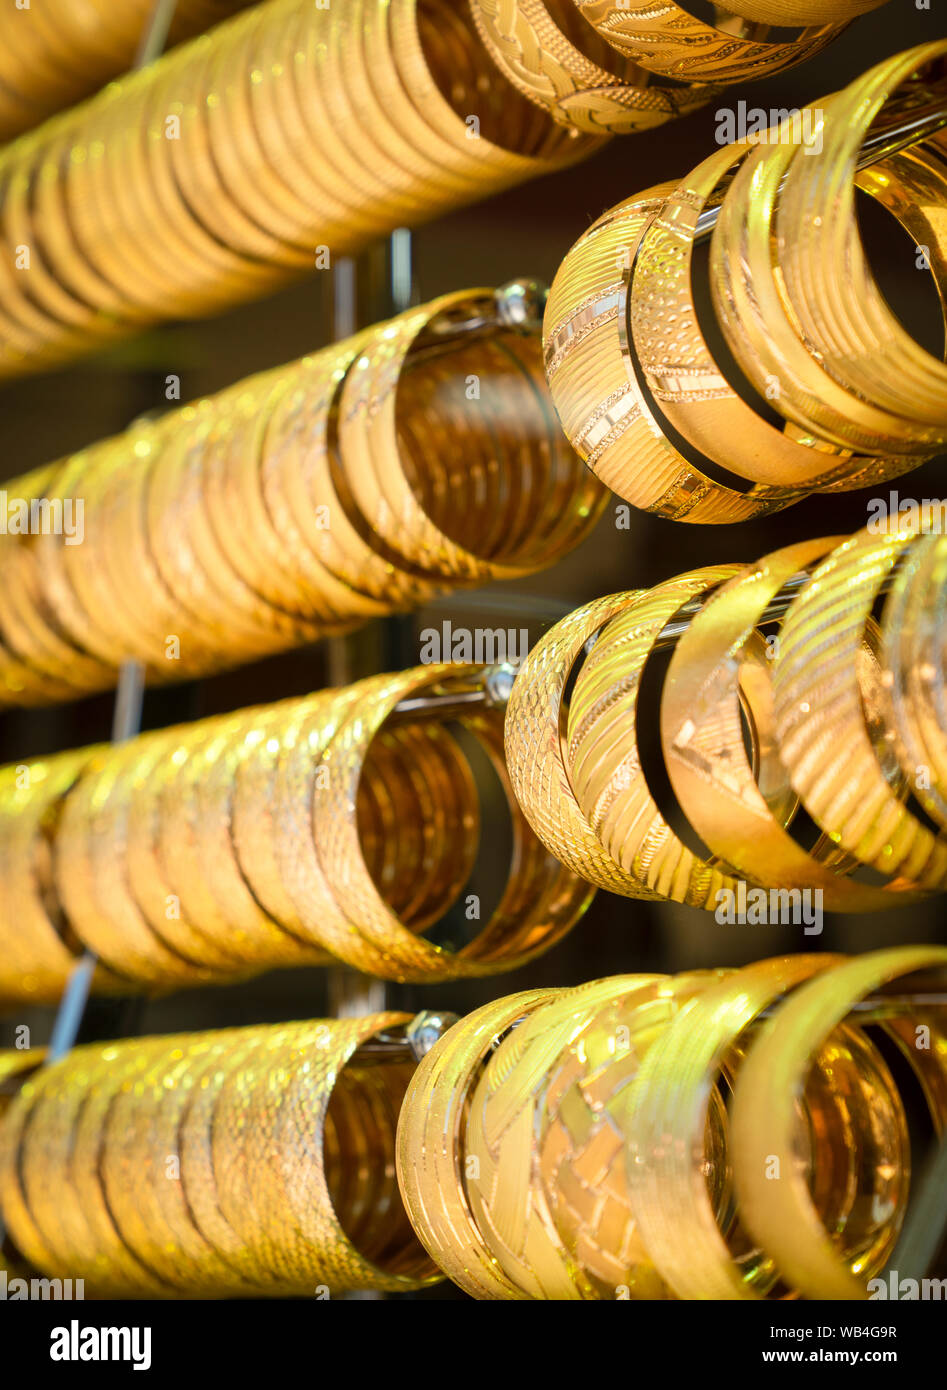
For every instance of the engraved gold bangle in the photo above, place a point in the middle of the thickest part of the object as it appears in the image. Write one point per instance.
(781, 1213)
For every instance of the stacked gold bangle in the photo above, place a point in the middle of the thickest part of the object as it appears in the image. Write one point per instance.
(600, 75)
(727, 1134)
(242, 1163)
(570, 70)
(53, 54)
(628, 363)
(292, 834)
(419, 456)
(718, 1134)
(291, 134)
(846, 719)
(669, 40)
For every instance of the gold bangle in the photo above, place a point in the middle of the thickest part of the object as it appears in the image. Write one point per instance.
(672, 41)
(593, 383)
(789, 13)
(605, 765)
(244, 1115)
(543, 899)
(583, 1114)
(740, 816)
(913, 662)
(431, 1151)
(781, 1214)
(821, 721)
(537, 56)
(534, 754)
(665, 1117)
(502, 1157)
(682, 375)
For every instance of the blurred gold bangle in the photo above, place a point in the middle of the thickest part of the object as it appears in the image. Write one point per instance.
(913, 659)
(781, 1214)
(664, 1113)
(789, 13)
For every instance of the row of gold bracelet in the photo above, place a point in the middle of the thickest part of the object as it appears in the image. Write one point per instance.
(636, 385)
(834, 714)
(296, 131)
(340, 823)
(237, 1163)
(620, 1140)
(730, 1134)
(284, 836)
(591, 63)
(291, 134)
(420, 455)
(550, 54)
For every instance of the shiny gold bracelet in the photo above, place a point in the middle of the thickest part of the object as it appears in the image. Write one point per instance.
(531, 42)
(200, 154)
(781, 1213)
(627, 360)
(215, 1164)
(837, 761)
(672, 41)
(296, 504)
(577, 1143)
(289, 835)
(432, 1161)
(750, 731)
(54, 56)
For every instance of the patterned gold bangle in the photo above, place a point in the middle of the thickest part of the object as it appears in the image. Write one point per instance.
(431, 1156)
(689, 387)
(672, 41)
(740, 814)
(781, 1214)
(534, 50)
(593, 383)
(576, 1144)
(831, 756)
(333, 474)
(792, 12)
(235, 1124)
(280, 89)
(501, 1155)
(534, 752)
(603, 749)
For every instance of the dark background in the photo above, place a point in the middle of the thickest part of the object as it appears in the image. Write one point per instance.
(524, 232)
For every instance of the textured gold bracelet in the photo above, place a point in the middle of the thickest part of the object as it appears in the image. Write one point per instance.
(214, 1164)
(295, 505)
(577, 1143)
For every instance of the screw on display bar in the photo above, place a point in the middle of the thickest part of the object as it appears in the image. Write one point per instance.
(415, 1038)
(487, 688)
